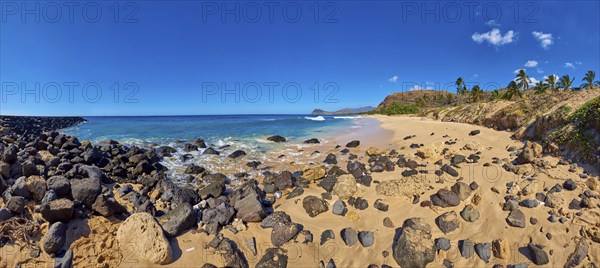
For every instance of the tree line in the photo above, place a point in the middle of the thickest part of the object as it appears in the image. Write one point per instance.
(522, 84)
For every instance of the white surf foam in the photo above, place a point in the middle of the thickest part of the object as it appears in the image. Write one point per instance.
(317, 118)
(347, 117)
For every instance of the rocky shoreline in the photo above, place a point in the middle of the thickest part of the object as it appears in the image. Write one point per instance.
(50, 182)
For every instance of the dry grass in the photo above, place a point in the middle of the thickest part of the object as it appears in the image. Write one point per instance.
(20, 228)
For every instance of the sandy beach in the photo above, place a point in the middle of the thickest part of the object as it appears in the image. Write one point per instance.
(490, 226)
(430, 144)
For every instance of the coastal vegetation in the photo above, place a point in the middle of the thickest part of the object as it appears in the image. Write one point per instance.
(580, 131)
(396, 108)
(553, 111)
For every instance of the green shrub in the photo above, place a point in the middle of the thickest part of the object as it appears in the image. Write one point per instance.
(588, 116)
(396, 108)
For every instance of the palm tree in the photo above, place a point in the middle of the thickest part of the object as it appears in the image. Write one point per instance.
(496, 94)
(476, 93)
(523, 80)
(565, 82)
(589, 80)
(512, 90)
(460, 83)
(540, 87)
(461, 89)
(551, 81)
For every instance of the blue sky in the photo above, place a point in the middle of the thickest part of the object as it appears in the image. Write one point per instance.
(188, 57)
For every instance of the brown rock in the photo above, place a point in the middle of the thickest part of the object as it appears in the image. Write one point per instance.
(314, 173)
(37, 186)
(345, 186)
(501, 249)
(143, 237)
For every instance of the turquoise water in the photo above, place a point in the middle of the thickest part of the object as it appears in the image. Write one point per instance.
(226, 133)
(215, 129)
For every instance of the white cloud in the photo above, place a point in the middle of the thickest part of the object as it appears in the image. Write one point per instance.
(569, 65)
(494, 37)
(394, 79)
(425, 86)
(532, 81)
(415, 87)
(516, 71)
(545, 39)
(540, 71)
(492, 23)
(531, 64)
(578, 62)
(475, 75)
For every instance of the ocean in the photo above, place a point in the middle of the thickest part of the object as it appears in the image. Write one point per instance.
(214, 129)
(225, 133)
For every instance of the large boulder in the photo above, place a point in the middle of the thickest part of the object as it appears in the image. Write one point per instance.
(516, 218)
(236, 154)
(445, 198)
(276, 138)
(462, 190)
(501, 249)
(250, 208)
(180, 219)
(107, 206)
(345, 186)
(214, 189)
(578, 255)
(554, 200)
(55, 237)
(57, 210)
(447, 222)
(353, 144)
(537, 253)
(59, 184)
(414, 247)
(314, 205)
(374, 151)
(284, 232)
(330, 159)
(232, 256)
(275, 218)
(484, 251)
(16, 204)
(470, 213)
(350, 236)
(217, 216)
(19, 188)
(525, 156)
(284, 180)
(37, 187)
(86, 190)
(314, 173)
(10, 154)
(143, 237)
(273, 258)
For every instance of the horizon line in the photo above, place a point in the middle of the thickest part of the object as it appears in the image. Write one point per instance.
(163, 115)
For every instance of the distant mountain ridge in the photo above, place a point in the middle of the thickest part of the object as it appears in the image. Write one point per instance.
(343, 111)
